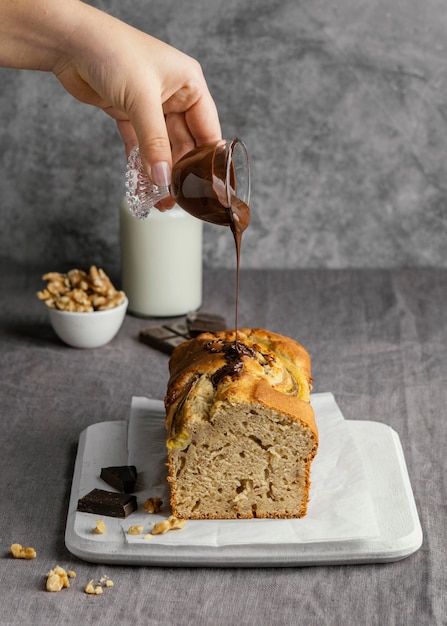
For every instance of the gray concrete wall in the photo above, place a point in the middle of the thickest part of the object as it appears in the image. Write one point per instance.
(343, 106)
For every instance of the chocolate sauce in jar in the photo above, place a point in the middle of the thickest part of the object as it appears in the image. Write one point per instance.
(203, 184)
(193, 184)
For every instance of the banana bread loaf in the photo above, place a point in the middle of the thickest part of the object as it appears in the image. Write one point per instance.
(241, 429)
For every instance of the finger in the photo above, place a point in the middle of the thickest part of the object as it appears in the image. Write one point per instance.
(201, 117)
(128, 135)
(181, 139)
(203, 120)
(165, 204)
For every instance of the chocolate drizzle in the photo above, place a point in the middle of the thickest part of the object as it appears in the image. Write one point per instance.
(230, 369)
(240, 219)
(233, 352)
(205, 185)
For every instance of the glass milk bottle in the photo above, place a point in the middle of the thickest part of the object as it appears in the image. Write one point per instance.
(161, 262)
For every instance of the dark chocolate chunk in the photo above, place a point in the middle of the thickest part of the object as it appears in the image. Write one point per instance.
(179, 328)
(108, 503)
(176, 341)
(167, 337)
(199, 322)
(158, 332)
(121, 477)
(160, 338)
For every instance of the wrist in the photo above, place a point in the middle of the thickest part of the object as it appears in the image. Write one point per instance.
(36, 34)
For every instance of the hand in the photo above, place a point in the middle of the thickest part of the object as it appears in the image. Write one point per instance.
(157, 94)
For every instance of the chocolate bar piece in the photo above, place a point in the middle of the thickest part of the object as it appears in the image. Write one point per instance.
(108, 503)
(199, 323)
(179, 328)
(167, 337)
(161, 338)
(122, 477)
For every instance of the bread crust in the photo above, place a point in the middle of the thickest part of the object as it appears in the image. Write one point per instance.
(191, 359)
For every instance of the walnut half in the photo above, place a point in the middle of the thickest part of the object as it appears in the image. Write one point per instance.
(19, 552)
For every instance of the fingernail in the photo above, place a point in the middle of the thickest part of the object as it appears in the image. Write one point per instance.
(161, 174)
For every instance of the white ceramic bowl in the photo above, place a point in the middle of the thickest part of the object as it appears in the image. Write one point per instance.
(88, 330)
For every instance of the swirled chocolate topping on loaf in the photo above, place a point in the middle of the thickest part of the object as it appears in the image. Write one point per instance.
(241, 429)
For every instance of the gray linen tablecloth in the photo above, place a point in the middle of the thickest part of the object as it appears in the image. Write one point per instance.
(378, 342)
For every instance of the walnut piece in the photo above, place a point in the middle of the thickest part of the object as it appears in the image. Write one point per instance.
(79, 291)
(95, 589)
(172, 523)
(100, 527)
(19, 552)
(57, 578)
(135, 530)
(153, 505)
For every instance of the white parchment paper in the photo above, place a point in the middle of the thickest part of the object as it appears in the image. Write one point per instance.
(341, 507)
